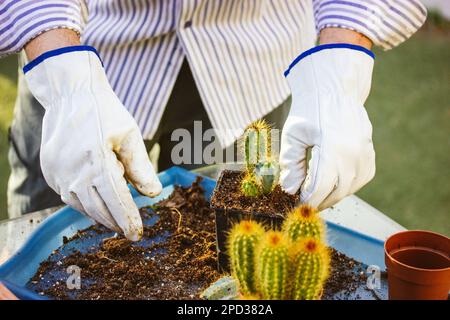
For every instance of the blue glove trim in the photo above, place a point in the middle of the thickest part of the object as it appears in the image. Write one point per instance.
(57, 52)
(328, 46)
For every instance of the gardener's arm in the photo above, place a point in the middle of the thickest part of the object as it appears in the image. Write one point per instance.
(22, 21)
(330, 84)
(340, 35)
(89, 140)
(51, 40)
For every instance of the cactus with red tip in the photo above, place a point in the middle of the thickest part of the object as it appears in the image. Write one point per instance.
(304, 222)
(310, 269)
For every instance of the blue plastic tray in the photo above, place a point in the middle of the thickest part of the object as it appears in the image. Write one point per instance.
(16, 272)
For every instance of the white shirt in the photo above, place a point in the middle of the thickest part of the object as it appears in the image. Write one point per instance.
(237, 49)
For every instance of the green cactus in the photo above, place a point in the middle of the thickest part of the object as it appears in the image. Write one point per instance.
(261, 171)
(250, 186)
(267, 174)
(269, 265)
(250, 297)
(257, 144)
(311, 263)
(272, 266)
(304, 222)
(242, 243)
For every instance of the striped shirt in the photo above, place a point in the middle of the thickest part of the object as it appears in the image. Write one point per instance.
(237, 49)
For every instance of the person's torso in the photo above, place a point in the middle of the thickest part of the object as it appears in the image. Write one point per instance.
(237, 51)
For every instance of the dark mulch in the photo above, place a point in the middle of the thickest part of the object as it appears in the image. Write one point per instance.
(179, 267)
(228, 196)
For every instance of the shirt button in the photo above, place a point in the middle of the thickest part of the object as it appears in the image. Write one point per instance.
(188, 24)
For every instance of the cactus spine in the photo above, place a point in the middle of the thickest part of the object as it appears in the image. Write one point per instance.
(260, 168)
(267, 174)
(311, 264)
(243, 241)
(257, 143)
(304, 222)
(250, 186)
(250, 297)
(289, 264)
(273, 266)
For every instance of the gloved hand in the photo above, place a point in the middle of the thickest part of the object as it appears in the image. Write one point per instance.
(89, 140)
(329, 85)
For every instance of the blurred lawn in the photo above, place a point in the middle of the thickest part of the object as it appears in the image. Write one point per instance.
(409, 107)
(8, 81)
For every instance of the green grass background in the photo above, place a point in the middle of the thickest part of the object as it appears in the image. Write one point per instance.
(8, 89)
(409, 106)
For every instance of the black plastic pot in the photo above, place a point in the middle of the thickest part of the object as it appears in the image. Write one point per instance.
(226, 218)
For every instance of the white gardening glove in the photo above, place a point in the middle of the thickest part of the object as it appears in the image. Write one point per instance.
(89, 140)
(329, 85)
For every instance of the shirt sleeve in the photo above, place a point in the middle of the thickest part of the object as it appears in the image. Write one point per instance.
(386, 22)
(23, 20)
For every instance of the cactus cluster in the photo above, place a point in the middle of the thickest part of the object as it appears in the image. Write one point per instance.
(289, 264)
(261, 170)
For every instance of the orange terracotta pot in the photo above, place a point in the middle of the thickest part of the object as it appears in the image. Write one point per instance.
(418, 265)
